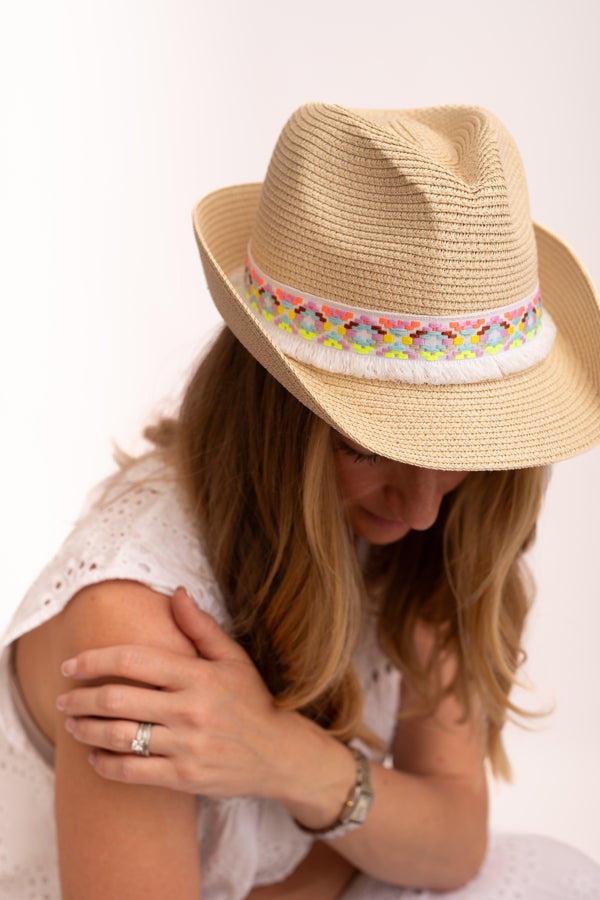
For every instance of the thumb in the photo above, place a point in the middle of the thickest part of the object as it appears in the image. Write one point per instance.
(200, 627)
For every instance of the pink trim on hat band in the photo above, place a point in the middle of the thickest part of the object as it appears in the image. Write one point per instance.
(421, 349)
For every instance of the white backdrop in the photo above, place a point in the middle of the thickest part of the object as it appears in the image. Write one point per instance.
(118, 116)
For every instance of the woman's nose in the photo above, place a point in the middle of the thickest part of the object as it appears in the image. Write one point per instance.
(414, 495)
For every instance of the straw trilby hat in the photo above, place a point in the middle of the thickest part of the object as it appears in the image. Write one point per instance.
(388, 274)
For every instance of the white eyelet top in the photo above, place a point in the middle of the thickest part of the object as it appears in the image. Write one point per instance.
(141, 530)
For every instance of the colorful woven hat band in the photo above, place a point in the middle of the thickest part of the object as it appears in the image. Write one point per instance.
(404, 346)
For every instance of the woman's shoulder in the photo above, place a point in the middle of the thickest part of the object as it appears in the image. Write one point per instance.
(104, 614)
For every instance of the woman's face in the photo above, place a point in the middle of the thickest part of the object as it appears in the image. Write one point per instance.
(384, 499)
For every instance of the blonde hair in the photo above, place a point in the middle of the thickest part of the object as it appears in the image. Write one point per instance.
(258, 467)
(467, 577)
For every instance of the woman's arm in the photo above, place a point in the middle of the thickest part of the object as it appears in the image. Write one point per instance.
(224, 735)
(428, 825)
(115, 840)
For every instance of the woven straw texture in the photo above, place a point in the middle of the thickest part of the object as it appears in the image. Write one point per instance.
(423, 211)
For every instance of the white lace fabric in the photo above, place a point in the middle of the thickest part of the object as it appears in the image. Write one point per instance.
(142, 531)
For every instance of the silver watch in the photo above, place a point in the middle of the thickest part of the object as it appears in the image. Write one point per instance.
(356, 808)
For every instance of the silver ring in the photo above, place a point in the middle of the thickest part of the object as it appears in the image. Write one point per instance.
(141, 742)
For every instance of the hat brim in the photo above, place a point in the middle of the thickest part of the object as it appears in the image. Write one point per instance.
(546, 413)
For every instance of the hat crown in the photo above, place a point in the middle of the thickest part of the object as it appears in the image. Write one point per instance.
(421, 210)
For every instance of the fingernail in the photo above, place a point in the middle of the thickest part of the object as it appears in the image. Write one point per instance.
(92, 758)
(70, 724)
(69, 667)
(185, 591)
(61, 702)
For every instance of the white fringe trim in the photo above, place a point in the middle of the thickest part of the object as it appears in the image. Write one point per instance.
(457, 371)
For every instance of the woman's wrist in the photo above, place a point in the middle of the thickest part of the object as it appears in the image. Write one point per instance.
(356, 808)
(315, 773)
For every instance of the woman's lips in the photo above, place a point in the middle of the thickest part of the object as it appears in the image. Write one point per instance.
(385, 523)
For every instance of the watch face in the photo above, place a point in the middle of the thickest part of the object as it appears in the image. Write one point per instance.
(361, 807)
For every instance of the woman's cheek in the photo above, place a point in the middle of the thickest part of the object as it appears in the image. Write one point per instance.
(355, 480)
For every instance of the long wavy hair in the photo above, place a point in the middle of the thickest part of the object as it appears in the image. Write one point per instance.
(258, 467)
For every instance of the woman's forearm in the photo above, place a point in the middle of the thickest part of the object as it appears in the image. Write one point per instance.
(422, 830)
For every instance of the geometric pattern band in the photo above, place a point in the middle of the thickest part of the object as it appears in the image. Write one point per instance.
(363, 332)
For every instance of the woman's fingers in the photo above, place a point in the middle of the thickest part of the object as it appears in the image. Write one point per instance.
(117, 735)
(211, 641)
(151, 665)
(117, 701)
(153, 770)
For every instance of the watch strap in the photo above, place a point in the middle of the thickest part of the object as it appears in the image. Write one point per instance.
(356, 807)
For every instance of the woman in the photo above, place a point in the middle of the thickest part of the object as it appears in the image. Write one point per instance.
(347, 492)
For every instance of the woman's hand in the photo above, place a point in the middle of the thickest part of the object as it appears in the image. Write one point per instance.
(216, 729)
